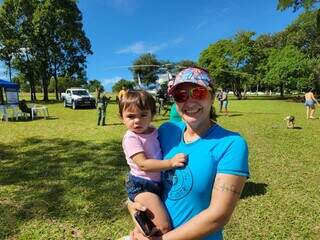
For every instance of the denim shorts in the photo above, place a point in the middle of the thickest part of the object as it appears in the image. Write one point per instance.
(136, 185)
(309, 103)
(225, 103)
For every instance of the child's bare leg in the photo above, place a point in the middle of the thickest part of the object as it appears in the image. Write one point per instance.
(157, 211)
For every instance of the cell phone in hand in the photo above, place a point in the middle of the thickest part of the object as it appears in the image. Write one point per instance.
(144, 222)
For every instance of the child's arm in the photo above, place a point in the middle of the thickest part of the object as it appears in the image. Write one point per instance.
(155, 165)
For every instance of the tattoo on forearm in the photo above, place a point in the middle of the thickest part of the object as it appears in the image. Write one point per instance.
(223, 187)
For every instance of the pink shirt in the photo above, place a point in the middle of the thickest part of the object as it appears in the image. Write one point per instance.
(133, 143)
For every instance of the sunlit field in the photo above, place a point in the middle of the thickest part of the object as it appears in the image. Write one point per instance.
(63, 177)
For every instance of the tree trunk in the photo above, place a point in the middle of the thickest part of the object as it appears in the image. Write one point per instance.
(281, 90)
(33, 96)
(10, 70)
(45, 81)
(33, 92)
(237, 89)
(245, 92)
(56, 88)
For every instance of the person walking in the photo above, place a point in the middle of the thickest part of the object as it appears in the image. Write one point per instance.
(102, 108)
(224, 100)
(219, 98)
(310, 103)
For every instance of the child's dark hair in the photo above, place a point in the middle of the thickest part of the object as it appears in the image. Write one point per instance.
(138, 98)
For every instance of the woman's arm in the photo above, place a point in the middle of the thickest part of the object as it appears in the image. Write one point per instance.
(225, 195)
(147, 164)
(314, 99)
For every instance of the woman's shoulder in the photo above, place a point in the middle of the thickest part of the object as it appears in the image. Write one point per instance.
(172, 126)
(170, 130)
(220, 132)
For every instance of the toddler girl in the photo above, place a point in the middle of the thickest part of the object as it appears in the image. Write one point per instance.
(143, 154)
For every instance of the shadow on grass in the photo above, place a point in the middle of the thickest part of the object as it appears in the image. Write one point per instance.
(60, 179)
(114, 124)
(28, 119)
(230, 115)
(253, 189)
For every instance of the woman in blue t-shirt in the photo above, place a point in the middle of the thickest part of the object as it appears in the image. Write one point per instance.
(201, 196)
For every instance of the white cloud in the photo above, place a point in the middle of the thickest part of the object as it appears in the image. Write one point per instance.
(110, 81)
(178, 40)
(141, 47)
(200, 25)
(107, 83)
(223, 12)
(127, 7)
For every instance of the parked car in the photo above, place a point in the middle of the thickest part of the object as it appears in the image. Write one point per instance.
(78, 97)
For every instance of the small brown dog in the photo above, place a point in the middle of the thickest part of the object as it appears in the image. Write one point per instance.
(290, 121)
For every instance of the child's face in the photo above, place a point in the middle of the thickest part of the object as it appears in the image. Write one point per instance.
(136, 120)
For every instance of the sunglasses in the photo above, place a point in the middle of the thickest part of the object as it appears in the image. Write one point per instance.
(196, 93)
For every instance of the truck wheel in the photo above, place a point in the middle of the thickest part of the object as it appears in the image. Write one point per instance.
(74, 106)
(65, 103)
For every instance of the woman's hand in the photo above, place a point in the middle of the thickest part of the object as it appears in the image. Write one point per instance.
(137, 235)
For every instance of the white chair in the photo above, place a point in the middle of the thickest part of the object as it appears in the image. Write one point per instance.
(3, 113)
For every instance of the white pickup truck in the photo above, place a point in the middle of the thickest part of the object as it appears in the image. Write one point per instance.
(78, 97)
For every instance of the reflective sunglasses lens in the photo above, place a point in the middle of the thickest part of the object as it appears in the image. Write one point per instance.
(199, 93)
(180, 96)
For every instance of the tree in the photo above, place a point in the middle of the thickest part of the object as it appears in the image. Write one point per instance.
(296, 4)
(50, 40)
(230, 62)
(93, 85)
(303, 34)
(216, 58)
(122, 83)
(288, 68)
(8, 35)
(61, 41)
(262, 48)
(145, 68)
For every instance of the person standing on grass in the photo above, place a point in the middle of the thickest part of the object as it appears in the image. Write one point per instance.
(310, 103)
(224, 100)
(201, 196)
(143, 154)
(102, 109)
(219, 98)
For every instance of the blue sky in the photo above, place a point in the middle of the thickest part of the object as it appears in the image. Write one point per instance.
(121, 30)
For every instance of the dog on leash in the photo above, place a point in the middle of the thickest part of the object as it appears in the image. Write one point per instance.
(290, 121)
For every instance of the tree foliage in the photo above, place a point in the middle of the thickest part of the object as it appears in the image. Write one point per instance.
(122, 83)
(49, 40)
(93, 85)
(230, 61)
(145, 68)
(288, 68)
(296, 4)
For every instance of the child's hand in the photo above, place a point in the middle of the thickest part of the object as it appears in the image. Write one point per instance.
(178, 160)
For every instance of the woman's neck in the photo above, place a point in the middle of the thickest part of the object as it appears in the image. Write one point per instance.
(194, 132)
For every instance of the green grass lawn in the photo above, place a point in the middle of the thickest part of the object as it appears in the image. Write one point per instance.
(63, 178)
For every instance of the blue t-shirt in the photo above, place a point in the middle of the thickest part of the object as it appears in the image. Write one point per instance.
(187, 190)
